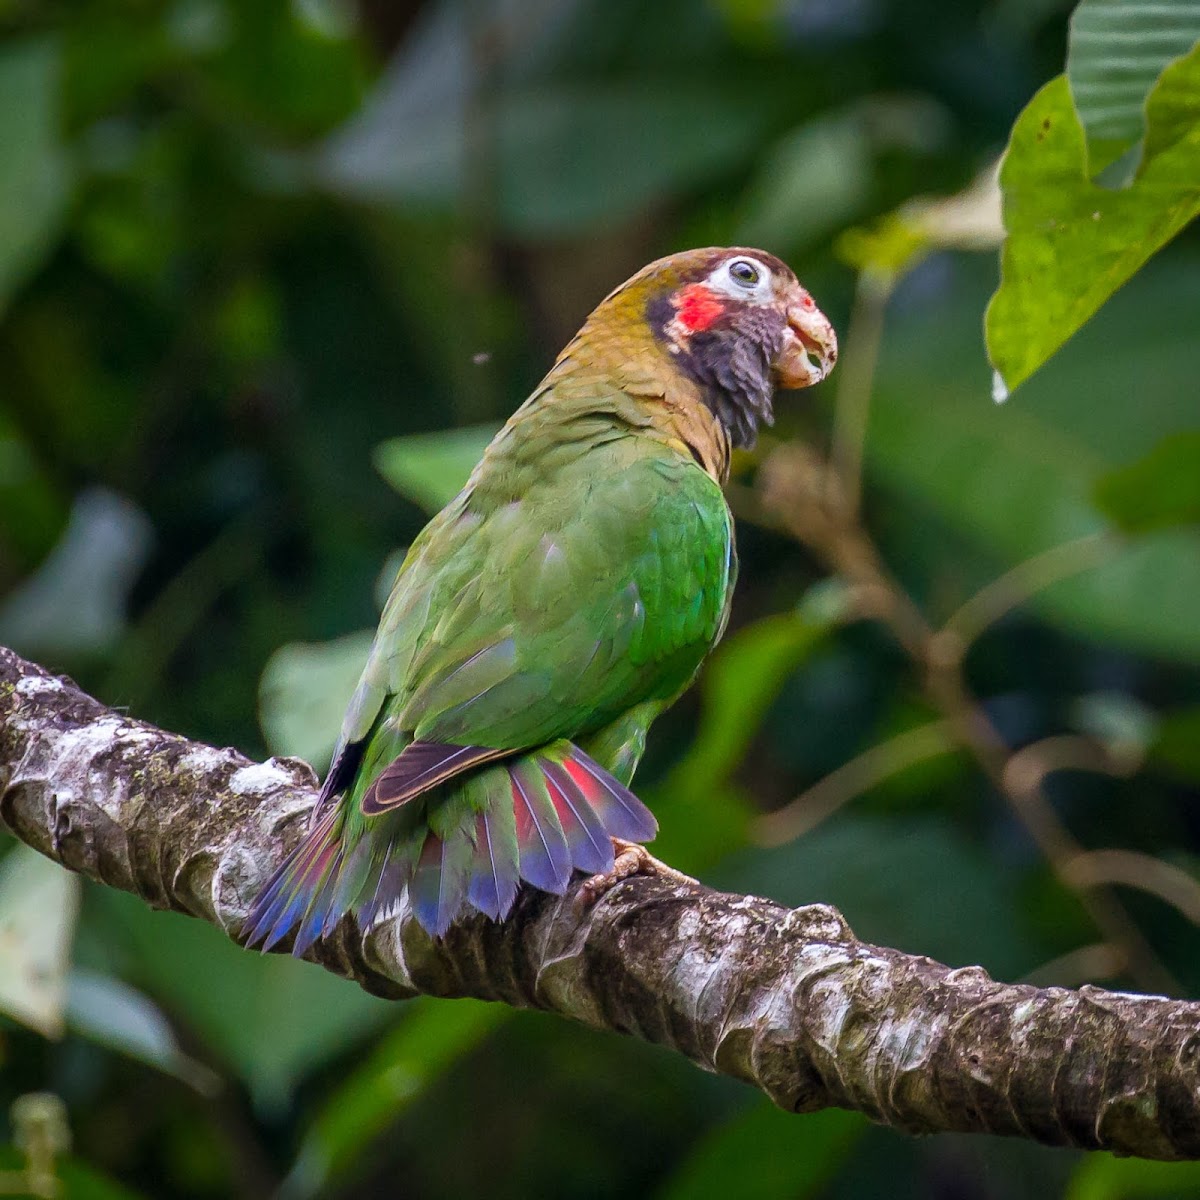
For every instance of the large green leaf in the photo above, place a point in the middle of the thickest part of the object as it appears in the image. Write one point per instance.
(303, 694)
(767, 1154)
(38, 904)
(34, 176)
(1116, 51)
(1071, 243)
(269, 1018)
(431, 468)
(1158, 491)
(430, 1037)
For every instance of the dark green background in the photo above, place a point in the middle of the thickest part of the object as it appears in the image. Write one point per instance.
(244, 243)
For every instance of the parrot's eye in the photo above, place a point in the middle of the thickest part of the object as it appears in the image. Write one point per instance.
(744, 272)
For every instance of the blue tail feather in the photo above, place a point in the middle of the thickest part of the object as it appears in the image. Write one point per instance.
(536, 818)
(495, 871)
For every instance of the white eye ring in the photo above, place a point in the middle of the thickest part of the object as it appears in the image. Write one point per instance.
(746, 273)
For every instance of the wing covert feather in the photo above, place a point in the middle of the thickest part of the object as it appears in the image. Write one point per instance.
(515, 623)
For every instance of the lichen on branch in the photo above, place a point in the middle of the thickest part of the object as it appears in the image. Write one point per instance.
(789, 1001)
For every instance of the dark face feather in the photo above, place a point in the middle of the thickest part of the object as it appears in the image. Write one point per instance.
(726, 345)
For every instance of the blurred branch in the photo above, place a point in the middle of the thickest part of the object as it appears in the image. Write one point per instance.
(789, 1001)
(852, 408)
(819, 504)
(1027, 768)
(1085, 963)
(1015, 587)
(871, 767)
(797, 487)
(1130, 869)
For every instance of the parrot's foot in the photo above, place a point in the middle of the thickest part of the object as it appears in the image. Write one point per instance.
(631, 859)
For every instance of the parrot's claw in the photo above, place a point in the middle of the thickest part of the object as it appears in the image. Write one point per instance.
(630, 859)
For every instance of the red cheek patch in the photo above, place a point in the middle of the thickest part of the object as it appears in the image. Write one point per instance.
(696, 307)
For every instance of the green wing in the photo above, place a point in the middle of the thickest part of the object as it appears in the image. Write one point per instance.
(540, 608)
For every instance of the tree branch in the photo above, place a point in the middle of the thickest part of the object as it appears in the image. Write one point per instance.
(787, 1000)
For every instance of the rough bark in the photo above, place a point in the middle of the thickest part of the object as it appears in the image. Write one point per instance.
(787, 1000)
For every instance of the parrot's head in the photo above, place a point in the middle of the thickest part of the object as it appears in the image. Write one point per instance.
(740, 325)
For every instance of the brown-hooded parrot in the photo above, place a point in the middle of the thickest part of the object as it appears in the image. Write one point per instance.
(552, 610)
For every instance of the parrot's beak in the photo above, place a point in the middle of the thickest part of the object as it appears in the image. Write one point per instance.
(810, 346)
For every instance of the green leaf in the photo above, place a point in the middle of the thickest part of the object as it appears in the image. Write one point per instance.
(742, 679)
(113, 1014)
(34, 181)
(1177, 745)
(1100, 1176)
(1070, 243)
(431, 468)
(38, 905)
(1158, 491)
(896, 879)
(432, 1035)
(303, 694)
(768, 1154)
(1116, 51)
(270, 1018)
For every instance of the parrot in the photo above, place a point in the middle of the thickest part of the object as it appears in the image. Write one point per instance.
(551, 611)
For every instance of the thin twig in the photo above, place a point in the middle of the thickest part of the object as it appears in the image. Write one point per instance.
(1027, 768)
(1020, 584)
(856, 378)
(865, 771)
(1082, 965)
(1128, 868)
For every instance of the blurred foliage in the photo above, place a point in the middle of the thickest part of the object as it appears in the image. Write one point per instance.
(258, 262)
(1116, 52)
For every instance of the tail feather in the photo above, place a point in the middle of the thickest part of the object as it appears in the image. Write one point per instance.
(438, 888)
(495, 870)
(395, 866)
(320, 911)
(545, 858)
(536, 817)
(591, 848)
(622, 814)
(291, 890)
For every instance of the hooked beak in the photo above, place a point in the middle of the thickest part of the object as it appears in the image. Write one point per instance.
(810, 345)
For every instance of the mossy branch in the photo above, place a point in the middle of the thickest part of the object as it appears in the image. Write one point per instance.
(788, 1000)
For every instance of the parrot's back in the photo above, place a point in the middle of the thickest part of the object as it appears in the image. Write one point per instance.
(537, 626)
(545, 617)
